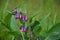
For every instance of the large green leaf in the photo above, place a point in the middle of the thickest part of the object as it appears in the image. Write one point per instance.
(6, 25)
(54, 33)
(55, 28)
(14, 29)
(44, 25)
(13, 24)
(53, 36)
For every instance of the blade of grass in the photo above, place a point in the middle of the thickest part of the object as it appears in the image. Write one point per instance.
(44, 17)
(4, 9)
(54, 21)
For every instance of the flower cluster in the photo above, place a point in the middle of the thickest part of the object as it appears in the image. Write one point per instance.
(23, 18)
(20, 16)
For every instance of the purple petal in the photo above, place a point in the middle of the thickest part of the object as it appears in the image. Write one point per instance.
(22, 18)
(17, 16)
(20, 15)
(26, 18)
(23, 29)
(14, 11)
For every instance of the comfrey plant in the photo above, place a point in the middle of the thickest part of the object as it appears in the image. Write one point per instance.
(26, 26)
(28, 29)
(21, 17)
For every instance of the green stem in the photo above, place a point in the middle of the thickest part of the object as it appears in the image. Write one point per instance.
(21, 31)
(22, 35)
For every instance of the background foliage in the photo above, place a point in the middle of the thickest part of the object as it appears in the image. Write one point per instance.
(49, 15)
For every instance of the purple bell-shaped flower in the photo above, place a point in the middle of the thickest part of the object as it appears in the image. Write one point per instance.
(24, 18)
(23, 29)
(17, 16)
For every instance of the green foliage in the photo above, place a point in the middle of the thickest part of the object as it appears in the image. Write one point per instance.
(54, 33)
(7, 22)
(3, 8)
(13, 23)
(45, 27)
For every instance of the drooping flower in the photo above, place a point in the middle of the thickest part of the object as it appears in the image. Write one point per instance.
(17, 16)
(24, 18)
(23, 29)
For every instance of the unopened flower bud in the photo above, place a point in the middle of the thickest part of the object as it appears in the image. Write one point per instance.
(14, 11)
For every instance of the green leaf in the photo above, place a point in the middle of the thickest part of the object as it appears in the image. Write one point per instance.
(55, 28)
(36, 27)
(37, 30)
(9, 12)
(34, 24)
(53, 36)
(54, 32)
(26, 24)
(13, 24)
(7, 19)
(14, 29)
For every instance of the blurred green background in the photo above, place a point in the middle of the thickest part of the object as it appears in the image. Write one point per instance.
(31, 7)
